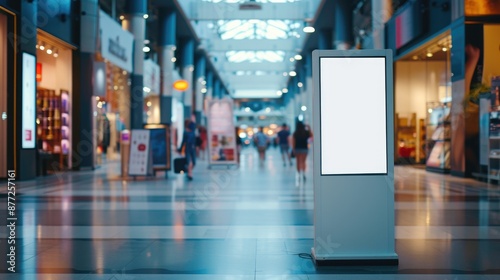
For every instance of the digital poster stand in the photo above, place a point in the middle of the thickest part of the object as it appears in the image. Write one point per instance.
(353, 158)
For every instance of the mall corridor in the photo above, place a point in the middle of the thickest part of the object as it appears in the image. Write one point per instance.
(252, 222)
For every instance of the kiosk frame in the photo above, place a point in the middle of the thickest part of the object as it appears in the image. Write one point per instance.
(353, 197)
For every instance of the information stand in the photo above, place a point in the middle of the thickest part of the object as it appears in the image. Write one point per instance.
(141, 160)
(221, 133)
(353, 158)
(160, 146)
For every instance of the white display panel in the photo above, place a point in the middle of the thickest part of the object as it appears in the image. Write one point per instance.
(353, 115)
(29, 101)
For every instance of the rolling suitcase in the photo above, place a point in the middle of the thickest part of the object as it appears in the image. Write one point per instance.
(180, 165)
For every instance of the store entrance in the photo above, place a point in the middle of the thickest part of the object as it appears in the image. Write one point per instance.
(423, 101)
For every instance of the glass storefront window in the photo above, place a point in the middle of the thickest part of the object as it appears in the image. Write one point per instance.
(422, 89)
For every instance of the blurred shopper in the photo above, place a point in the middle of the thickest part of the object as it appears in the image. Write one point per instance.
(300, 148)
(189, 146)
(239, 144)
(204, 140)
(261, 141)
(284, 144)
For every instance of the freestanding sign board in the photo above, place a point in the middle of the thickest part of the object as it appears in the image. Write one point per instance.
(141, 160)
(221, 132)
(354, 181)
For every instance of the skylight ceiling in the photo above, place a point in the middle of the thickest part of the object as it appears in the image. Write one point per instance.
(246, 43)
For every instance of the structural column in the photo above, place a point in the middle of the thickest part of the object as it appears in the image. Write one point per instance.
(187, 74)
(24, 163)
(135, 23)
(210, 84)
(308, 87)
(344, 38)
(381, 13)
(84, 143)
(167, 44)
(325, 39)
(217, 90)
(200, 85)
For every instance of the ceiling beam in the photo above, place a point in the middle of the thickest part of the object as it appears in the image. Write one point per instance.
(231, 11)
(218, 45)
(253, 80)
(249, 66)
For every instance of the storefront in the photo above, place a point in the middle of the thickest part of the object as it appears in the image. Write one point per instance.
(54, 77)
(111, 100)
(446, 80)
(422, 104)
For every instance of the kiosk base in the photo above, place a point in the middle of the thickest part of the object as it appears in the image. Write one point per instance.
(355, 260)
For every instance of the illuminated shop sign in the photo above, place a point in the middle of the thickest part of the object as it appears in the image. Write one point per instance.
(116, 44)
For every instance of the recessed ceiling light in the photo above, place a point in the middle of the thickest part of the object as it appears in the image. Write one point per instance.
(298, 57)
(292, 73)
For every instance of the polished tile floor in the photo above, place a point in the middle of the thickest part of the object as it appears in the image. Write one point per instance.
(246, 223)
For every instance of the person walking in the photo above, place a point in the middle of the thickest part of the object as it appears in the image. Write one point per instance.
(284, 144)
(300, 148)
(189, 145)
(261, 141)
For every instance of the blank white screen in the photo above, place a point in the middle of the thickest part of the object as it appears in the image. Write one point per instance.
(353, 115)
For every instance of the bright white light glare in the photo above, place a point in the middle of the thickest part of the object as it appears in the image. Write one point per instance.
(269, 132)
(247, 109)
(301, 117)
(203, 90)
(122, 17)
(430, 110)
(242, 135)
(4, 116)
(292, 73)
(292, 59)
(284, 90)
(42, 47)
(145, 16)
(298, 57)
(279, 93)
(445, 49)
(299, 84)
(49, 51)
(191, 68)
(146, 49)
(173, 59)
(146, 41)
(303, 108)
(148, 104)
(56, 54)
(146, 89)
(203, 82)
(268, 109)
(429, 54)
(97, 98)
(99, 104)
(308, 29)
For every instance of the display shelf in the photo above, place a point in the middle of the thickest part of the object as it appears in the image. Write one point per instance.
(52, 123)
(438, 142)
